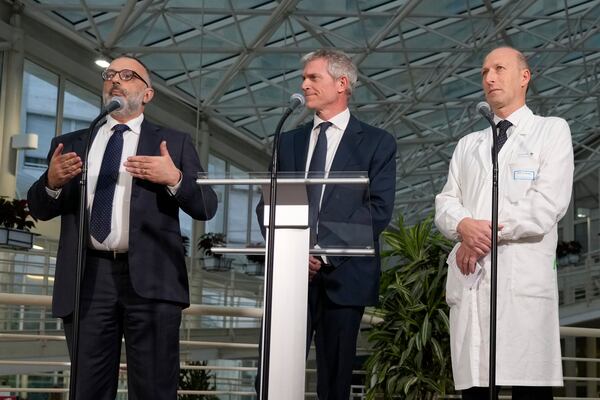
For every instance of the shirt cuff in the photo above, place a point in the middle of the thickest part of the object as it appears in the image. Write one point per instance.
(173, 189)
(53, 193)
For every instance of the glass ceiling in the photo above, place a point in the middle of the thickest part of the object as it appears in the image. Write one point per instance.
(419, 64)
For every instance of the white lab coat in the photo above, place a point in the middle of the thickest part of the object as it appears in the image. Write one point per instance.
(535, 181)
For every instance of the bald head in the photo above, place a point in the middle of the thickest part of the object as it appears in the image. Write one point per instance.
(521, 59)
(505, 76)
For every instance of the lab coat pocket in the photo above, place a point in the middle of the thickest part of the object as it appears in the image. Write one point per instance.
(522, 175)
(533, 273)
(454, 285)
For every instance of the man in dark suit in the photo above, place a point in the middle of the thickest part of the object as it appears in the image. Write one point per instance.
(340, 287)
(135, 281)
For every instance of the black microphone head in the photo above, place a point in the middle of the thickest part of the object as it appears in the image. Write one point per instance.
(116, 103)
(483, 107)
(296, 100)
(119, 100)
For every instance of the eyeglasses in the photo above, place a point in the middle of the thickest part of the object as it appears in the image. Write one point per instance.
(124, 74)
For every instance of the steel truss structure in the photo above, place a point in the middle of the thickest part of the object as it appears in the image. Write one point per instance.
(237, 61)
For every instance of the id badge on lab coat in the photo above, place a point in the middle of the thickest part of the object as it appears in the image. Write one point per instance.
(523, 174)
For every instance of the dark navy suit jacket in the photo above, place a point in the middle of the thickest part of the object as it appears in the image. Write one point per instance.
(156, 253)
(353, 281)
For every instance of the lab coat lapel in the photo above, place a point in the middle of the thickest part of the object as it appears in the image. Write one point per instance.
(483, 152)
(513, 144)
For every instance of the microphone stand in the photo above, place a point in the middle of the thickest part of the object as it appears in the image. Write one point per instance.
(494, 252)
(81, 256)
(266, 331)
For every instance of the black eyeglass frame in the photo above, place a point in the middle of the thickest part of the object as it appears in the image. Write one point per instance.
(133, 75)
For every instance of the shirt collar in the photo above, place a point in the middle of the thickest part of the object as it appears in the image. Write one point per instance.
(340, 121)
(516, 117)
(135, 124)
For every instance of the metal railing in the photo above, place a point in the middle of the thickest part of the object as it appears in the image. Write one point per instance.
(231, 301)
(233, 384)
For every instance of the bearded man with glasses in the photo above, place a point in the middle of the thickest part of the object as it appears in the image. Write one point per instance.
(135, 280)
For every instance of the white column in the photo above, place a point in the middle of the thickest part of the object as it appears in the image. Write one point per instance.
(12, 87)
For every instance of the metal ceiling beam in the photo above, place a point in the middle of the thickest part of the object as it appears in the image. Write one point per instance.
(131, 11)
(101, 8)
(425, 109)
(244, 59)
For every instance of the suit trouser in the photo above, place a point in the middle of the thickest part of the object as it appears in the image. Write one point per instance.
(518, 393)
(335, 329)
(110, 309)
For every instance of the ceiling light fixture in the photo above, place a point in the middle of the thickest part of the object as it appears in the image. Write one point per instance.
(102, 63)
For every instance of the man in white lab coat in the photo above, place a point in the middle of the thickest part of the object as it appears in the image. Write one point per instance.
(535, 178)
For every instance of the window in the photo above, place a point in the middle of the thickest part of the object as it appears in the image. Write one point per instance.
(80, 108)
(235, 216)
(38, 115)
(39, 107)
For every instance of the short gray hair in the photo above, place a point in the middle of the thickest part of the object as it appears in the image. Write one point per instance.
(338, 64)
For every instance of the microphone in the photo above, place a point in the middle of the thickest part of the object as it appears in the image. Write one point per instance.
(296, 100)
(116, 103)
(484, 109)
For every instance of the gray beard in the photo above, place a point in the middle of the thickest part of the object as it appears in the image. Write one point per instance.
(132, 106)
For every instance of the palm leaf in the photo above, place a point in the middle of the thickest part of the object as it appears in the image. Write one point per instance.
(411, 347)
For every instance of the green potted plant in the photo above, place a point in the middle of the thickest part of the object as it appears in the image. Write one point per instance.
(213, 261)
(411, 347)
(15, 223)
(197, 379)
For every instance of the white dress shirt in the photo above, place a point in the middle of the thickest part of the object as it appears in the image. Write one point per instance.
(334, 137)
(118, 238)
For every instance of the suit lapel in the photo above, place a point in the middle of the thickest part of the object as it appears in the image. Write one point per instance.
(351, 139)
(301, 141)
(79, 144)
(148, 145)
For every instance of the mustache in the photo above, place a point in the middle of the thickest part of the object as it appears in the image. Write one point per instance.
(117, 89)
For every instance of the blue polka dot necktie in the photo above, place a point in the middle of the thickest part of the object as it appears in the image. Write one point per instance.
(502, 129)
(315, 170)
(101, 216)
